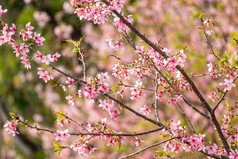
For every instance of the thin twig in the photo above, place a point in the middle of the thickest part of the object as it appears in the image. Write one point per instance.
(80, 125)
(146, 148)
(84, 65)
(156, 99)
(187, 119)
(210, 44)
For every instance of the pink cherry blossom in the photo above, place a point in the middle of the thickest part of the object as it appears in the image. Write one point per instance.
(137, 141)
(11, 127)
(42, 18)
(82, 148)
(209, 32)
(38, 39)
(233, 138)
(228, 84)
(70, 100)
(145, 110)
(61, 135)
(213, 96)
(210, 67)
(25, 61)
(63, 31)
(47, 59)
(2, 11)
(166, 50)
(233, 154)
(45, 75)
(56, 56)
(69, 82)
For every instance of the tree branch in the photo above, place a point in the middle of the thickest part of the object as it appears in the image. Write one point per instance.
(146, 148)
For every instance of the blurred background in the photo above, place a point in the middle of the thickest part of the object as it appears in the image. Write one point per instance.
(173, 22)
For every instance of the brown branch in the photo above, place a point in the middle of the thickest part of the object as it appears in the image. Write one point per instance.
(134, 112)
(210, 44)
(90, 134)
(80, 125)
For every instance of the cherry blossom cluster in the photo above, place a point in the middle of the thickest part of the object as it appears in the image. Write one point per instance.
(82, 148)
(213, 96)
(45, 75)
(229, 130)
(116, 45)
(196, 142)
(228, 84)
(96, 11)
(10, 126)
(23, 48)
(145, 110)
(136, 91)
(120, 25)
(137, 141)
(120, 71)
(109, 107)
(104, 128)
(214, 72)
(208, 24)
(229, 72)
(62, 122)
(2, 11)
(175, 100)
(62, 135)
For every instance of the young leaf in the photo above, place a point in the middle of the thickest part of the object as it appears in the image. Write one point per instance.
(161, 153)
(12, 115)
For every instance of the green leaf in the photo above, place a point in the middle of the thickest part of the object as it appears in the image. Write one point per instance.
(56, 145)
(161, 153)
(12, 115)
(227, 106)
(61, 116)
(225, 59)
(58, 148)
(119, 143)
(59, 151)
(113, 89)
(164, 123)
(168, 75)
(201, 15)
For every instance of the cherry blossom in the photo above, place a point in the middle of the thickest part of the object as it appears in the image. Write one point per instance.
(42, 18)
(210, 67)
(82, 148)
(145, 110)
(137, 141)
(228, 84)
(209, 32)
(61, 135)
(47, 59)
(63, 31)
(45, 75)
(11, 127)
(70, 100)
(69, 82)
(2, 11)
(213, 96)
